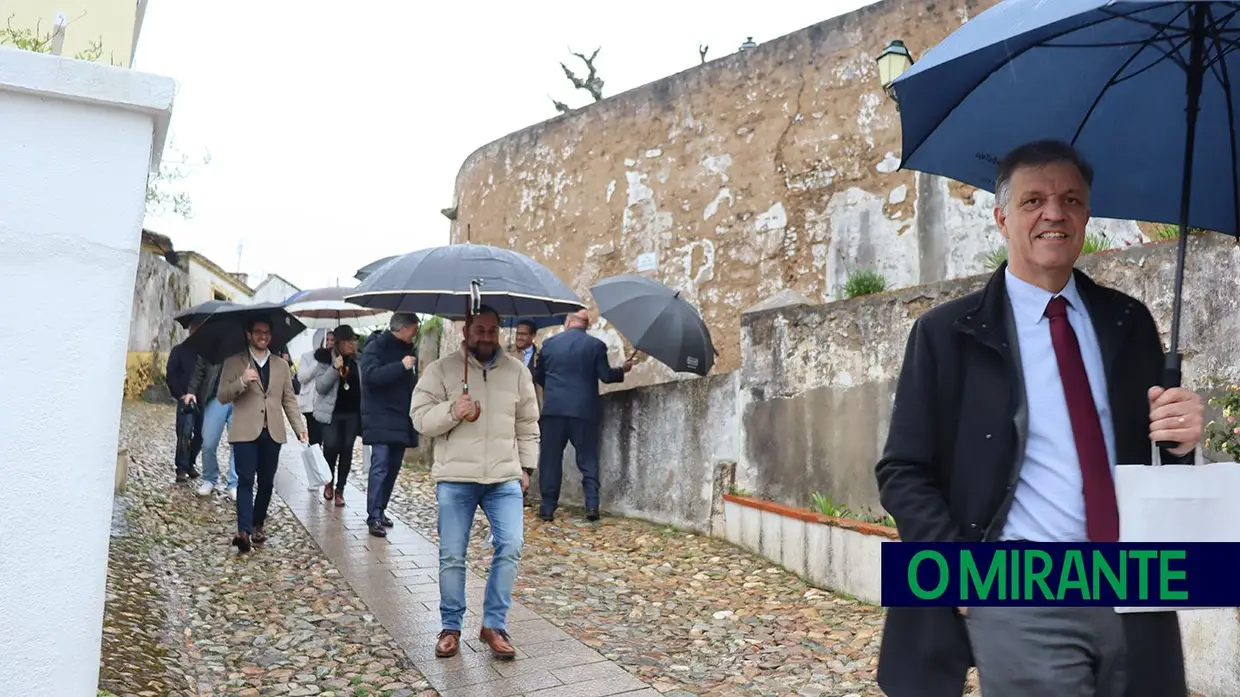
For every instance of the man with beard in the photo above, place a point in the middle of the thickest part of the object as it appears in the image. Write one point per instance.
(389, 372)
(259, 389)
(486, 447)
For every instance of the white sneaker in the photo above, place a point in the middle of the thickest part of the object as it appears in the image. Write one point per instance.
(205, 489)
(232, 493)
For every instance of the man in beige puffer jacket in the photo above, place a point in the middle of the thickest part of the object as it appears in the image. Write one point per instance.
(486, 447)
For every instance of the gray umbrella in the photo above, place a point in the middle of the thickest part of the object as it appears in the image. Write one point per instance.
(657, 321)
(448, 281)
(200, 312)
(372, 267)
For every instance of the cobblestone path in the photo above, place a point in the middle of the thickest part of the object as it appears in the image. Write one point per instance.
(185, 616)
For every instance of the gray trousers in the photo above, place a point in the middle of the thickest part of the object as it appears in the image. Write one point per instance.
(1048, 651)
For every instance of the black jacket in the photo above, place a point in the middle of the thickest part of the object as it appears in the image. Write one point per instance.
(949, 468)
(180, 369)
(387, 388)
(569, 367)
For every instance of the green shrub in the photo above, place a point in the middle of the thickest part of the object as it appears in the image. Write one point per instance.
(864, 282)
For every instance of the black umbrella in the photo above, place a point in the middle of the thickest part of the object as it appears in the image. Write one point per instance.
(200, 312)
(657, 321)
(442, 280)
(372, 267)
(222, 335)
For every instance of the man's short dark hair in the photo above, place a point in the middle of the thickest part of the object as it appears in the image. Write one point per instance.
(488, 310)
(1036, 154)
(249, 325)
(528, 325)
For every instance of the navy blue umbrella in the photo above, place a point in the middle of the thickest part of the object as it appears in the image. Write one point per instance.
(1142, 88)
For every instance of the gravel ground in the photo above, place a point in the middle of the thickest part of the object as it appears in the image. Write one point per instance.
(186, 616)
(693, 615)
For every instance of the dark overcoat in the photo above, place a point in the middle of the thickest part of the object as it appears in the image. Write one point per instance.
(949, 469)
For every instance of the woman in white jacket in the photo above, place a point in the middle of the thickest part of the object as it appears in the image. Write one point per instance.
(307, 370)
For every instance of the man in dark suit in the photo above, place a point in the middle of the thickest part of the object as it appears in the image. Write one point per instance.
(178, 375)
(1013, 407)
(389, 373)
(569, 368)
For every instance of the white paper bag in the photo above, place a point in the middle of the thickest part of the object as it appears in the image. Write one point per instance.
(317, 471)
(1178, 503)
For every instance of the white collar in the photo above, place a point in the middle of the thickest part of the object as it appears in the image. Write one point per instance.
(1029, 301)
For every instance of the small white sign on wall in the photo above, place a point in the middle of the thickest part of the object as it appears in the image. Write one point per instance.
(648, 261)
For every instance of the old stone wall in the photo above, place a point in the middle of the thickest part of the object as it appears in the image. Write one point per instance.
(160, 291)
(812, 399)
(770, 169)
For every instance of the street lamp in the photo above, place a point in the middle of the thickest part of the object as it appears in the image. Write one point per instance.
(892, 63)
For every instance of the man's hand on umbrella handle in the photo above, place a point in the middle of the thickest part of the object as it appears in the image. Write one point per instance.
(189, 399)
(407, 361)
(463, 407)
(250, 375)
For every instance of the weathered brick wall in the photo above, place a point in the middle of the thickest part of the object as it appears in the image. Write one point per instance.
(770, 169)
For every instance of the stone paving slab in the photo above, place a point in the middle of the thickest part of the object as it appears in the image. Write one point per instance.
(398, 579)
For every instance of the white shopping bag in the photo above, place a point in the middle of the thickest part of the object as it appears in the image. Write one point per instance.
(317, 471)
(1178, 503)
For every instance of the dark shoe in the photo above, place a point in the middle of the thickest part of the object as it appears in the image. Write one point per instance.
(328, 491)
(259, 536)
(548, 517)
(449, 643)
(193, 473)
(182, 477)
(387, 522)
(592, 515)
(339, 499)
(498, 640)
(377, 529)
(242, 542)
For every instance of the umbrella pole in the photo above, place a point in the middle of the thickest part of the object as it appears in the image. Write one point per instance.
(1172, 374)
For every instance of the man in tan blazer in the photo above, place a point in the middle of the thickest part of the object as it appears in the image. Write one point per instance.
(259, 385)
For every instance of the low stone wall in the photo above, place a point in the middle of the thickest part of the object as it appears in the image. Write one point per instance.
(817, 381)
(666, 452)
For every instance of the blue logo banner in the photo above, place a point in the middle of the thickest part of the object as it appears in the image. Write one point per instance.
(1201, 574)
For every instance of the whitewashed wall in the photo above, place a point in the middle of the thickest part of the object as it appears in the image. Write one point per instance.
(77, 140)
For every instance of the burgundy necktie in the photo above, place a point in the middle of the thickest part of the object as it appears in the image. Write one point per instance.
(1101, 509)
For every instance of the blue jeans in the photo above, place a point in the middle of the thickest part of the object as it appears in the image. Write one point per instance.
(385, 463)
(215, 419)
(501, 504)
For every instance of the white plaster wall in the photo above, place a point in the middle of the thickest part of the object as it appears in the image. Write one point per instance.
(76, 142)
(201, 280)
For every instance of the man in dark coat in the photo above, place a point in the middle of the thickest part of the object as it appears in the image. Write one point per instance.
(182, 362)
(389, 373)
(569, 368)
(1013, 407)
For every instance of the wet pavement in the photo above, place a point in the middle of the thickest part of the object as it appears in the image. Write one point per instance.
(186, 616)
(398, 578)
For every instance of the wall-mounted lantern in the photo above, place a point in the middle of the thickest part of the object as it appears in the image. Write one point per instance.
(892, 63)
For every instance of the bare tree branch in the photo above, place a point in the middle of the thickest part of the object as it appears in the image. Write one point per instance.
(702, 49)
(592, 82)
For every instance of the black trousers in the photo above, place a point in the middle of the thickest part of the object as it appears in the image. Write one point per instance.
(314, 429)
(187, 452)
(338, 439)
(558, 431)
(255, 459)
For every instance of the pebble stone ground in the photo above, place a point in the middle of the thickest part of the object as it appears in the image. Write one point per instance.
(185, 616)
(687, 615)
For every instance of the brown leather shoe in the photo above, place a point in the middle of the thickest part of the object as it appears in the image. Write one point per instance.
(328, 491)
(339, 499)
(449, 643)
(498, 640)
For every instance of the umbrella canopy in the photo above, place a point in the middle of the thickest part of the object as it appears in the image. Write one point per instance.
(442, 280)
(326, 308)
(540, 323)
(1140, 87)
(657, 321)
(200, 312)
(223, 333)
(372, 267)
